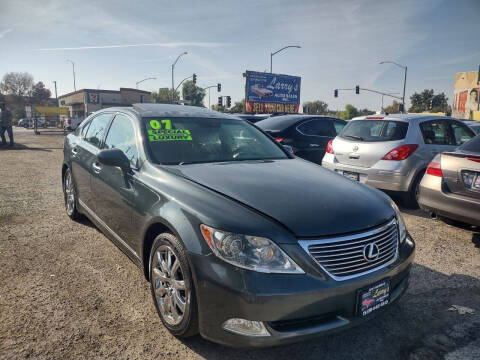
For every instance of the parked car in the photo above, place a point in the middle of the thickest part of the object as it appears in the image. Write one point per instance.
(250, 117)
(25, 123)
(474, 125)
(392, 152)
(308, 135)
(245, 244)
(451, 185)
(72, 123)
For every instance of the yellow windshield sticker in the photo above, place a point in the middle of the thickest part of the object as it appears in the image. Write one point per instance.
(162, 131)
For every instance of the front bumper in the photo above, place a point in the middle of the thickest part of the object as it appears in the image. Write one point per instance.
(292, 307)
(385, 175)
(453, 206)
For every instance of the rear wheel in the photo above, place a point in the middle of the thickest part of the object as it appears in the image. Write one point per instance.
(172, 287)
(411, 197)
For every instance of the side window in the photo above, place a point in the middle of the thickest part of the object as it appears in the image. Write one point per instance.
(339, 125)
(436, 133)
(461, 133)
(121, 135)
(316, 128)
(97, 128)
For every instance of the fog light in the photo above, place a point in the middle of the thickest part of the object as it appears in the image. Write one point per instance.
(245, 327)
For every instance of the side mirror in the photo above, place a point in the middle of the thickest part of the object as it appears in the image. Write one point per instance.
(113, 157)
(288, 148)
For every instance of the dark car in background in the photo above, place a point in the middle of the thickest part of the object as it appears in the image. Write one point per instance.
(308, 135)
(451, 185)
(251, 117)
(240, 241)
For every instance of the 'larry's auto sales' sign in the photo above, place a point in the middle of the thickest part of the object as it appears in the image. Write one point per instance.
(271, 93)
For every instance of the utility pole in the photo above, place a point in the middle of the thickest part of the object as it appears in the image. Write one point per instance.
(56, 97)
(73, 67)
(404, 79)
(276, 52)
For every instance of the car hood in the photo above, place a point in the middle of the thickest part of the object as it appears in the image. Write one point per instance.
(307, 199)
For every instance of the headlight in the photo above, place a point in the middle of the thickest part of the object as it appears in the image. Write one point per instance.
(249, 252)
(402, 229)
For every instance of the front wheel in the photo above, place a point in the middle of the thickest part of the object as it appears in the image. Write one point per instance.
(172, 287)
(70, 196)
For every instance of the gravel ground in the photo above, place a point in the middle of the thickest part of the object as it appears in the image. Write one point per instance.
(68, 292)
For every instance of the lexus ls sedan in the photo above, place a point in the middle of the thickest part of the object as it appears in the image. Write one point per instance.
(240, 241)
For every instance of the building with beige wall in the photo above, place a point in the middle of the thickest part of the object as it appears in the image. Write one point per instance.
(83, 102)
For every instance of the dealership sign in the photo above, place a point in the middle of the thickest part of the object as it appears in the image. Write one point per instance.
(271, 93)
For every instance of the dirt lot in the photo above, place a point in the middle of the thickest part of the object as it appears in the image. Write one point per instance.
(67, 292)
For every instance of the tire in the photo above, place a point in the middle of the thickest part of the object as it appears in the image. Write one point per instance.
(411, 197)
(70, 196)
(172, 288)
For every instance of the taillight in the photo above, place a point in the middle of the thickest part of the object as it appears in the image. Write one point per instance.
(330, 147)
(434, 168)
(401, 152)
(474, 159)
(279, 139)
(69, 121)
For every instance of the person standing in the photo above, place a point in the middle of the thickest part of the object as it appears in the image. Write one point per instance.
(6, 124)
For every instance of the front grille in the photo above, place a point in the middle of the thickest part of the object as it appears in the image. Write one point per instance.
(350, 256)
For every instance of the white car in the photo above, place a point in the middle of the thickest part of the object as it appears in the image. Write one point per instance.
(72, 123)
(260, 91)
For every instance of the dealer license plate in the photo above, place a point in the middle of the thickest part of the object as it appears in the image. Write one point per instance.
(373, 297)
(352, 175)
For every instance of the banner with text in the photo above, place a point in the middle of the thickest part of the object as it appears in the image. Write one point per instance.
(271, 93)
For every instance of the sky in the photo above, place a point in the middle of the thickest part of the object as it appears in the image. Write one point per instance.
(117, 43)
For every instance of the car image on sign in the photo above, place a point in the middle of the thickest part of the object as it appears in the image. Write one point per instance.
(262, 92)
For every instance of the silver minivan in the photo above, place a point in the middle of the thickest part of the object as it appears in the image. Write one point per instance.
(391, 152)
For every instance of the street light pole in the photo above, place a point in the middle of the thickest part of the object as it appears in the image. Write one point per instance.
(138, 82)
(276, 52)
(73, 67)
(173, 67)
(404, 79)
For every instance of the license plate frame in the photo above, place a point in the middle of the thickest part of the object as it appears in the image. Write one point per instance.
(373, 297)
(351, 175)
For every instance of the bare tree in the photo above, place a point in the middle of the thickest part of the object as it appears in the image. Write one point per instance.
(17, 83)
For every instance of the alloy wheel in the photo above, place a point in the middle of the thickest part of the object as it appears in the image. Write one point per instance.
(169, 285)
(69, 193)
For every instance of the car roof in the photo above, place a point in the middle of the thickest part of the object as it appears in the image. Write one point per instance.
(404, 117)
(171, 110)
(283, 121)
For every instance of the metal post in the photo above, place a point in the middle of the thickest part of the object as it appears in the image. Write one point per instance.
(73, 67)
(173, 67)
(209, 106)
(276, 52)
(404, 85)
(271, 59)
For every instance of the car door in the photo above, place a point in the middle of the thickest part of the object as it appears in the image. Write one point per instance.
(437, 137)
(312, 138)
(114, 188)
(83, 155)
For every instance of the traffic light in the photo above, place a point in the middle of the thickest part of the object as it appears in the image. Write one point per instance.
(229, 101)
(194, 78)
(335, 93)
(400, 108)
(220, 101)
(219, 87)
(357, 89)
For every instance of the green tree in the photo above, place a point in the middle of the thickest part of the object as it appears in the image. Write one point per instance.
(392, 109)
(349, 112)
(40, 94)
(164, 96)
(365, 112)
(238, 107)
(193, 93)
(317, 107)
(17, 83)
(428, 101)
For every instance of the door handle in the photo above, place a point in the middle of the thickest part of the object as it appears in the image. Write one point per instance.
(74, 151)
(97, 168)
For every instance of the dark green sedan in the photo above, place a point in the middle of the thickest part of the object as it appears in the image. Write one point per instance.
(241, 241)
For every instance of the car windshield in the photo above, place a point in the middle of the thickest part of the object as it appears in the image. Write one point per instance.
(472, 145)
(375, 130)
(197, 140)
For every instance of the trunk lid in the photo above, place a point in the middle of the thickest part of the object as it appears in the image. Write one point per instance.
(461, 172)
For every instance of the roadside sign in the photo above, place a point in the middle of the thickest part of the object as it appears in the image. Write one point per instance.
(28, 112)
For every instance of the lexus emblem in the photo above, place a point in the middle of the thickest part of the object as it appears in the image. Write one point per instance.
(355, 148)
(371, 252)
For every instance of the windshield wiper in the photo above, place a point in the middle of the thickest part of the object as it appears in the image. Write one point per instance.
(354, 137)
